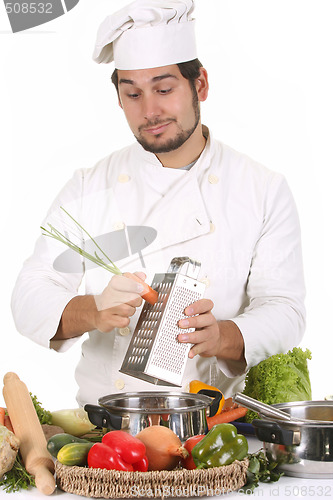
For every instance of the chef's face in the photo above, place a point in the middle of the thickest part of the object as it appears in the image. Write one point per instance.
(160, 105)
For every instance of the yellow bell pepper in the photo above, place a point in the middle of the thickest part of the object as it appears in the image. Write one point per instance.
(196, 386)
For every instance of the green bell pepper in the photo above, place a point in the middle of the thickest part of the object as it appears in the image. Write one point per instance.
(221, 446)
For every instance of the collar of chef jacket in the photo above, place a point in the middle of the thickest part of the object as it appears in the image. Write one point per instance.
(180, 214)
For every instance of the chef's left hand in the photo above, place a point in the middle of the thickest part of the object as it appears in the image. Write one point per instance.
(222, 339)
(206, 337)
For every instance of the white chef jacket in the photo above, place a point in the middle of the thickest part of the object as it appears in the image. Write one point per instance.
(228, 212)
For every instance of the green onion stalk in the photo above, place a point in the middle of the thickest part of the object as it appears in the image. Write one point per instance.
(57, 235)
(149, 294)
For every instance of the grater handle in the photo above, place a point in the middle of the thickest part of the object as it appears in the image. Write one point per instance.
(186, 266)
(214, 405)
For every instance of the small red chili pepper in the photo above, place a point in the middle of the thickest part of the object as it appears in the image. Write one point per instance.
(130, 448)
(189, 444)
(101, 456)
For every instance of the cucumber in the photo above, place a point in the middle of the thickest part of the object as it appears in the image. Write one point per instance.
(56, 442)
(74, 453)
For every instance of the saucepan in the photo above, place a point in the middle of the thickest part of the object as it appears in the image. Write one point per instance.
(184, 413)
(297, 435)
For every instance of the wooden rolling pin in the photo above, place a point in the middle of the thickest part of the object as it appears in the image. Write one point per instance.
(27, 428)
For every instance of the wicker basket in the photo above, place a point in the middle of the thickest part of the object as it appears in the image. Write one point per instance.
(102, 483)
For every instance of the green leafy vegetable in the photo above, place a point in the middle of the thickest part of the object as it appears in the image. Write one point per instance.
(260, 469)
(279, 379)
(17, 478)
(44, 416)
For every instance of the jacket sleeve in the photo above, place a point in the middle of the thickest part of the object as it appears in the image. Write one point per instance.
(41, 292)
(274, 319)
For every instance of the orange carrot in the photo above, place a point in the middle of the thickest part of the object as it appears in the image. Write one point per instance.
(226, 416)
(149, 294)
(2, 416)
(8, 423)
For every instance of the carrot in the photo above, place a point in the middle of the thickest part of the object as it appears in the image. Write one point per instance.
(2, 416)
(149, 294)
(226, 416)
(8, 423)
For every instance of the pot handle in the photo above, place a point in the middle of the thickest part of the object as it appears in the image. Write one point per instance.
(214, 405)
(271, 432)
(262, 408)
(101, 417)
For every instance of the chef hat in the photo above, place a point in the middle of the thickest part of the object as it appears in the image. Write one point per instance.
(147, 34)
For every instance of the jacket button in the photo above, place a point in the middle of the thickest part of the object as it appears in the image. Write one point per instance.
(117, 226)
(119, 384)
(124, 331)
(213, 179)
(123, 178)
(211, 227)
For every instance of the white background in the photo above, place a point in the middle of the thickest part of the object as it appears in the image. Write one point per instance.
(270, 73)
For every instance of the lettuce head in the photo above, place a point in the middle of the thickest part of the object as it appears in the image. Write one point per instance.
(279, 379)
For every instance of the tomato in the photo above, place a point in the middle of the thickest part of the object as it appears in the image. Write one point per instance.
(188, 462)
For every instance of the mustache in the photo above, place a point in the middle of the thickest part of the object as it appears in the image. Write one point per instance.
(155, 123)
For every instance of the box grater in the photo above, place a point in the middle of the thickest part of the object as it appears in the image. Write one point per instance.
(154, 353)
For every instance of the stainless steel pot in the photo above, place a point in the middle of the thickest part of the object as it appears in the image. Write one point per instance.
(184, 413)
(299, 438)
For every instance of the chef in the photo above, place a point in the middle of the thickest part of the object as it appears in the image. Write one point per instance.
(176, 191)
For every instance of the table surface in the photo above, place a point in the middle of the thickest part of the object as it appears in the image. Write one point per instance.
(286, 487)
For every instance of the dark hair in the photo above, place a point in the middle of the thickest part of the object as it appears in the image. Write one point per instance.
(189, 70)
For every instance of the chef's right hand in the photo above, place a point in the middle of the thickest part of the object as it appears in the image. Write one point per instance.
(118, 302)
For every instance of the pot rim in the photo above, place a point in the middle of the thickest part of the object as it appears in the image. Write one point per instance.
(305, 422)
(201, 402)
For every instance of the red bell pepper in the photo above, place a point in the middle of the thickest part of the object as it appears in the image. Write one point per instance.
(101, 456)
(127, 446)
(141, 465)
(120, 451)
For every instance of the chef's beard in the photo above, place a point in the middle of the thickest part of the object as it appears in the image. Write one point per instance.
(175, 142)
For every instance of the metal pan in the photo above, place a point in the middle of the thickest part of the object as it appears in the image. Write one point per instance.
(184, 413)
(297, 435)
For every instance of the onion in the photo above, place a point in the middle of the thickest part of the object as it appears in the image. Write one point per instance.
(163, 447)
